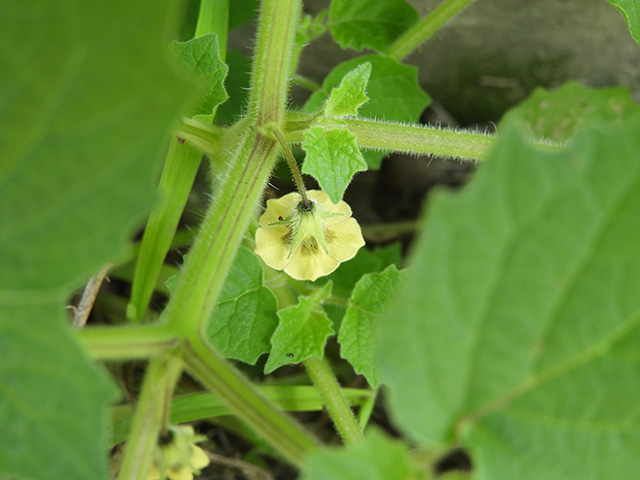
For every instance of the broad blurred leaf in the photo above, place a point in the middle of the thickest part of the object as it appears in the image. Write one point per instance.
(631, 11)
(375, 458)
(357, 337)
(558, 115)
(200, 59)
(86, 105)
(302, 332)
(246, 314)
(346, 98)
(393, 91)
(369, 23)
(332, 159)
(518, 331)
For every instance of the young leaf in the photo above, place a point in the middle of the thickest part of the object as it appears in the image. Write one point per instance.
(86, 103)
(200, 58)
(559, 114)
(303, 331)
(357, 336)
(245, 318)
(393, 91)
(372, 24)
(631, 12)
(347, 98)
(332, 159)
(375, 458)
(518, 328)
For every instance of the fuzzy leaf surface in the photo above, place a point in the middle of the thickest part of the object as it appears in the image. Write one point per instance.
(200, 59)
(86, 104)
(558, 115)
(357, 336)
(393, 91)
(333, 158)
(350, 94)
(245, 316)
(375, 458)
(302, 332)
(631, 11)
(373, 24)
(518, 330)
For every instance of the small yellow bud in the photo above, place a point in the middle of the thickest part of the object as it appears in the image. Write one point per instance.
(179, 458)
(307, 243)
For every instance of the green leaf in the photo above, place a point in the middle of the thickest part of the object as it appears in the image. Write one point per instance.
(372, 24)
(518, 332)
(302, 332)
(357, 337)
(631, 11)
(350, 94)
(245, 318)
(559, 114)
(200, 59)
(393, 91)
(346, 276)
(332, 159)
(375, 458)
(86, 104)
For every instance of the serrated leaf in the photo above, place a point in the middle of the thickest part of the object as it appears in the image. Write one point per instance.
(200, 58)
(86, 103)
(302, 332)
(631, 11)
(245, 316)
(393, 91)
(350, 94)
(558, 115)
(375, 458)
(346, 276)
(357, 336)
(519, 327)
(373, 24)
(332, 159)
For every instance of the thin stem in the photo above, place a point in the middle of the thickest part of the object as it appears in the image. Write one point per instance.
(128, 342)
(425, 28)
(292, 165)
(334, 400)
(213, 16)
(282, 432)
(306, 83)
(89, 295)
(148, 420)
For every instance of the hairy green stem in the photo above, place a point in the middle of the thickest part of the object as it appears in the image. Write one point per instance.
(334, 400)
(128, 342)
(287, 436)
(424, 29)
(148, 420)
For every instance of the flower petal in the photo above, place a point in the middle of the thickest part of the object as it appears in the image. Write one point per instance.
(310, 266)
(344, 239)
(272, 247)
(279, 208)
(325, 204)
(199, 458)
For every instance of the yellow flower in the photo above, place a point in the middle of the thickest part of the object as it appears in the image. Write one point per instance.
(307, 243)
(178, 458)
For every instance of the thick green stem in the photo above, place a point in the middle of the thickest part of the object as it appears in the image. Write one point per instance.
(425, 28)
(128, 342)
(287, 436)
(213, 16)
(334, 400)
(148, 420)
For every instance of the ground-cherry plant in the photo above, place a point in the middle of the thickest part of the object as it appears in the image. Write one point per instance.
(510, 335)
